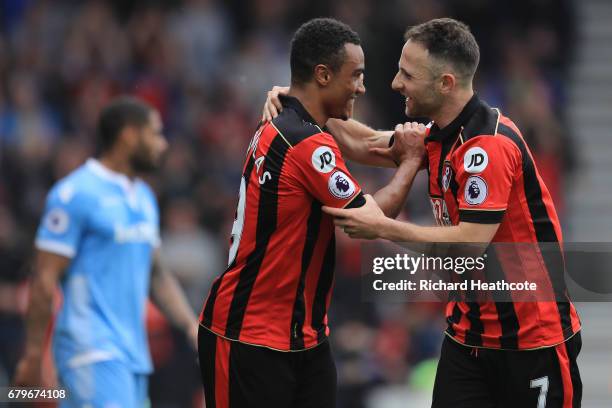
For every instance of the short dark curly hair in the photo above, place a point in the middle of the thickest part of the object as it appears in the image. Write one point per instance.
(319, 41)
(450, 41)
(120, 113)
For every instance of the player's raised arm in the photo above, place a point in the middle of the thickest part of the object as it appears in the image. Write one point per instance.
(357, 140)
(48, 269)
(354, 139)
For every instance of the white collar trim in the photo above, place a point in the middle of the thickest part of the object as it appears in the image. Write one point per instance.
(104, 172)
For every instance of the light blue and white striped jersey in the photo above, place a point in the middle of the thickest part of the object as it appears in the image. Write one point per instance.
(109, 226)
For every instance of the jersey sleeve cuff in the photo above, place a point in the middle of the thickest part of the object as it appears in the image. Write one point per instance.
(357, 201)
(55, 247)
(482, 216)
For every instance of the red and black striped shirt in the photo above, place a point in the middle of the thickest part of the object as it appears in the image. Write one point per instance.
(481, 171)
(277, 287)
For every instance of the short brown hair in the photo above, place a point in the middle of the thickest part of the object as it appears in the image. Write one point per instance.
(450, 41)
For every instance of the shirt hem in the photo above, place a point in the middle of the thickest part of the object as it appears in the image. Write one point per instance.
(256, 343)
(554, 344)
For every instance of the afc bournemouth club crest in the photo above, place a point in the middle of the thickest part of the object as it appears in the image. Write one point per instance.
(447, 175)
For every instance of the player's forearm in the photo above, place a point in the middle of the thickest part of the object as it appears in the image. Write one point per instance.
(465, 232)
(398, 231)
(39, 314)
(392, 197)
(168, 296)
(356, 139)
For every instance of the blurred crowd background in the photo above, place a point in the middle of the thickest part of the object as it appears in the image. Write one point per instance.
(206, 65)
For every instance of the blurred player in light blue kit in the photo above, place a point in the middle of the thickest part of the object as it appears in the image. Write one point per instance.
(99, 238)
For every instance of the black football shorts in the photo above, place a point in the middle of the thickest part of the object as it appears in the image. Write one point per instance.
(470, 377)
(239, 375)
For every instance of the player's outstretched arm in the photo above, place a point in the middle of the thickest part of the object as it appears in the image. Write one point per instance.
(369, 222)
(167, 294)
(48, 270)
(465, 232)
(354, 139)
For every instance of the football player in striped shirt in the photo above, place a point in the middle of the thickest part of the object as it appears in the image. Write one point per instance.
(264, 327)
(484, 187)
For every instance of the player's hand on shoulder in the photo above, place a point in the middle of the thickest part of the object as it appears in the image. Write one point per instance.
(408, 144)
(273, 105)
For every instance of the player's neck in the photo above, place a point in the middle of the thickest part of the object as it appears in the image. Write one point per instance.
(311, 102)
(118, 164)
(453, 107)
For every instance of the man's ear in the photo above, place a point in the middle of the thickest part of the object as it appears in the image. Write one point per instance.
(128, 137)
(447, 83)
(322, 74)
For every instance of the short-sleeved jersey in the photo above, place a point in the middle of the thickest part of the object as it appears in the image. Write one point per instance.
(109, 227)
(481, 171)
(276, 289)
